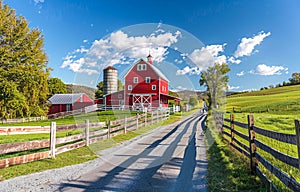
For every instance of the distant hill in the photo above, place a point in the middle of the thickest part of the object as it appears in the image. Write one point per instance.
(81, 89)
(281, 100)
(186, 94)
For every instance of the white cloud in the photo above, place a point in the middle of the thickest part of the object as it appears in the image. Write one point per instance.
(242, 73)
(39, 1)
(247, 45)
(207, 56)
(85, 41)
(266, 70)
(188, 70)
(178, 61)
(233, 87)
(234, 60)
(120, 48)
(81, 50)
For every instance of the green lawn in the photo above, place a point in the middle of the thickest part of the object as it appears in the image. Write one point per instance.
(282, 101)
(79, 119)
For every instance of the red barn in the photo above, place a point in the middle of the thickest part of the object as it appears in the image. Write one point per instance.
(68, 102)
(145, 87)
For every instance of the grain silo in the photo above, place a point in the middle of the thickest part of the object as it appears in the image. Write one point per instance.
(110, 80)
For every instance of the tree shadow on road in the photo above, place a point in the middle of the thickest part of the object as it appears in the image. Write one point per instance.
(185, 178)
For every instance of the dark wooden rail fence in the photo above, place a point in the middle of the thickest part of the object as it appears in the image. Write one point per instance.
(53, 146)
(230, 132)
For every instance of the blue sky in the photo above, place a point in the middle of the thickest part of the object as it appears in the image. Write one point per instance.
(260, 40)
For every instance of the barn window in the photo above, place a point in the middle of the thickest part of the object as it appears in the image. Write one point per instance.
(153, 87)
(141, 67)
(148, 79)
(129, 87)
(135, 79)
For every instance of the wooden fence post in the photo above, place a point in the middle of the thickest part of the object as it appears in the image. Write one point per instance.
(108, 129)
(145, 119)
(232, 127)
(125, 125)
(137, 121)
(151, 117)
(252, 146)
(157, 116)
(297, 126)
(52, 139)
(87, 132)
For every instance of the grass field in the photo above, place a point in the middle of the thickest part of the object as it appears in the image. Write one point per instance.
(281, 101)
(273, 109)
(79, 119)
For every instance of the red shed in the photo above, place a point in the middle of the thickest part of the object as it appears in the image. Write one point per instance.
(68, 102)
(145, 86)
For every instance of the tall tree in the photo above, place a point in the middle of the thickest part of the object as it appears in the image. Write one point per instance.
(295, 79)
(23, 64)
(99, 92)
(215, 79)
(56, 86)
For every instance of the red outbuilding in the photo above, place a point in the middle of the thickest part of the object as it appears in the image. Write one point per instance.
(68, 102)
(145, 87)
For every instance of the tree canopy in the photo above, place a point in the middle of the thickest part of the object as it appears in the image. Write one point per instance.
(23, 67)
(56, 86)
(215, 79)
(295, 79)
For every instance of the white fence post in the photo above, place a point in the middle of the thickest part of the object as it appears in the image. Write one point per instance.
(52, 139)
(125, 126)
(87, 132)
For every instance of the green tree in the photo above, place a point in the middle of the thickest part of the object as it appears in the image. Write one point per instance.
(23, 64)
(193, 101)
(120, 85)
(99, 92)
(295, 78)
(215, 79)
(56, 86)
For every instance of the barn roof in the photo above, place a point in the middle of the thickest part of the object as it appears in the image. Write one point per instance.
(155, 69)
(65, 98)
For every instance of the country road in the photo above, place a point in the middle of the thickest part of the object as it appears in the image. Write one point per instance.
(170, 158)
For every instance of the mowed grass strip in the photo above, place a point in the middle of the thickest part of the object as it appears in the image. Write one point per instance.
(102, 116)
(227, 169)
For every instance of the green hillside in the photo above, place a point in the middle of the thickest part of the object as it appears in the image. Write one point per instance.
(282, 100)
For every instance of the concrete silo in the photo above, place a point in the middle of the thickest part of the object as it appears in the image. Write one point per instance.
(110, 80)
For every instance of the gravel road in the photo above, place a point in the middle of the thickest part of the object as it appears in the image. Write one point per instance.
(170, 158)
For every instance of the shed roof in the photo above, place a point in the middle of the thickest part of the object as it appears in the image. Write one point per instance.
(65, 98)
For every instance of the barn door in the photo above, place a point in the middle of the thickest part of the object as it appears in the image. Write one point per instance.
(141, 101)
